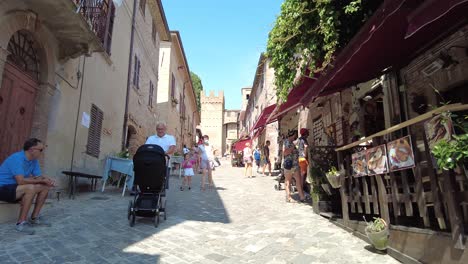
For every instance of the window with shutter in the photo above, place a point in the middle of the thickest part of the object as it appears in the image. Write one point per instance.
(153, 32)
(151, 92)
(110, 26)
(138, 74)
(94, 133)
(173, 86)
(143, 6)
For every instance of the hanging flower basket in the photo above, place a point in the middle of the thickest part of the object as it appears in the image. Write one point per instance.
(378, 234)
(334, 177)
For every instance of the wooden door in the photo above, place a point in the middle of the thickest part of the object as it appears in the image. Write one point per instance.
(17, 103)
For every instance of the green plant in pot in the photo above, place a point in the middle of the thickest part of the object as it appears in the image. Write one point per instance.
(377, 232)
(453, 153)
(334, 176)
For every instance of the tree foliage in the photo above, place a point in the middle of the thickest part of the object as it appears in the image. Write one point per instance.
(309, 33)
(197, 87)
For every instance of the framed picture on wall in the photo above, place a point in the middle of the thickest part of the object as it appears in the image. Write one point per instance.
(359, 164)
(400, 154)
(377, 160)
(438, 128)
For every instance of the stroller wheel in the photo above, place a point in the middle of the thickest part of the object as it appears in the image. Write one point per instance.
(156, 220)
(131, 221)
(130, 205)
(165, 211)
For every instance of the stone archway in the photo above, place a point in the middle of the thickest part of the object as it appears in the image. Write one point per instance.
(26, 24)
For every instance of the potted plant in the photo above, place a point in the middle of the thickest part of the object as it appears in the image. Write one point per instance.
(377, 232)
(334, 176)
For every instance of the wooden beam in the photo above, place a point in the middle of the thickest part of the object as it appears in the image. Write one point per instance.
(418, 119)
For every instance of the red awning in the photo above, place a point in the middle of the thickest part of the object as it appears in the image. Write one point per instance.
(381, 43)
(258, 132)
(293, 101)
(240, 145)
(432, 11)
(262, 119)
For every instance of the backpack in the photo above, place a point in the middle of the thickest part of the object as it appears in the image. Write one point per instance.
(257, 155)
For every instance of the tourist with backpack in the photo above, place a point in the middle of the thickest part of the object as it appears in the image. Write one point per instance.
(257, 158)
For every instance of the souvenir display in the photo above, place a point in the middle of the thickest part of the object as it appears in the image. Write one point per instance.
(377, 160)
(438, 128)
(359, 164)
(400, 154)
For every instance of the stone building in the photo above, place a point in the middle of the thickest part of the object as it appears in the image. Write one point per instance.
(212, 119)
(63, 80)
(262, 101)
(245, 99)
(150, 29)
(231, 127)
(176, 101)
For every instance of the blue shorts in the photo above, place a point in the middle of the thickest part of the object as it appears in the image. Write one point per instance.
(8, 193)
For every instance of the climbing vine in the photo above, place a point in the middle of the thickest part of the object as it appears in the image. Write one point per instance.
(307, 35)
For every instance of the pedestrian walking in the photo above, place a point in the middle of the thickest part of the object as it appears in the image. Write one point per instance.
(248, 159)
(291, 166)
(187, 165)
(257, 156)
(206, 161)
(266, 158)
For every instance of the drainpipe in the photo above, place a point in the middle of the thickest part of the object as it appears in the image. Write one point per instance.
(130, 56)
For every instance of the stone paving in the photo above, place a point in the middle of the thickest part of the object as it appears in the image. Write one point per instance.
(242, 221)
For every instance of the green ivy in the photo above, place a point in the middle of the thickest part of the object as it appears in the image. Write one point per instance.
(308, 34)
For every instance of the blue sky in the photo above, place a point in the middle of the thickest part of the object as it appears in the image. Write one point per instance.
(223, 40)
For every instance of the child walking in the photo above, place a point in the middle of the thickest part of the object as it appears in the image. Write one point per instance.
(187, 165)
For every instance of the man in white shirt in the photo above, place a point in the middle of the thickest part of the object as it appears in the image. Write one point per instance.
(165, 141)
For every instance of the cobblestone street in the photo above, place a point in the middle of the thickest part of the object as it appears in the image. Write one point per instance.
(242, 221)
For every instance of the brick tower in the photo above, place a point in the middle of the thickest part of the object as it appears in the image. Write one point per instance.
(212, 119)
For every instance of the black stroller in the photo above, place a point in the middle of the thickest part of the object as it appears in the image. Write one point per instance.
(280, 179)
(150, 167)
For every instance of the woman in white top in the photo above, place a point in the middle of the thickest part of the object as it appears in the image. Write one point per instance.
(206, 159)
(248, 159)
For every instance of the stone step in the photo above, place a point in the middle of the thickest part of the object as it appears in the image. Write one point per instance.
(10, 211)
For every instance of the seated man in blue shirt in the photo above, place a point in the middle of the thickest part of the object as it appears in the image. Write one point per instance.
(21, 180)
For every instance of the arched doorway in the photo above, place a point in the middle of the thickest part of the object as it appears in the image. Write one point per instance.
(18, 92)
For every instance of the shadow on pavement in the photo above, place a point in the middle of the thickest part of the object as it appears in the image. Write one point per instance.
(94, 228)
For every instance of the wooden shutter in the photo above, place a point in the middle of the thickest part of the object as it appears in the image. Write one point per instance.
(110, 27)
(138, 74)
(135, 68)
(143, 6)
(173, 86)
(94, 133)
(153, 32)
(151, 92)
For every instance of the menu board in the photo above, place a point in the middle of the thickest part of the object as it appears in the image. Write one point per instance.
(377, 160)
(400, 154)
(359, 164)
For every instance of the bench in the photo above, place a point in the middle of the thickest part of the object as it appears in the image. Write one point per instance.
(74, 175)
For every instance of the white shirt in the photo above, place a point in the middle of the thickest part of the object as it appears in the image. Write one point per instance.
(165, 142)
(206, 152)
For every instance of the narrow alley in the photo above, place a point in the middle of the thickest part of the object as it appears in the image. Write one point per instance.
(242, 221)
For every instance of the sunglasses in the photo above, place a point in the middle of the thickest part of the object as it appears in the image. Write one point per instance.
(40, 149)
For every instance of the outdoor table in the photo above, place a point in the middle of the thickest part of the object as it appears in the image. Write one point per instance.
(178, 160)
(124, 166)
